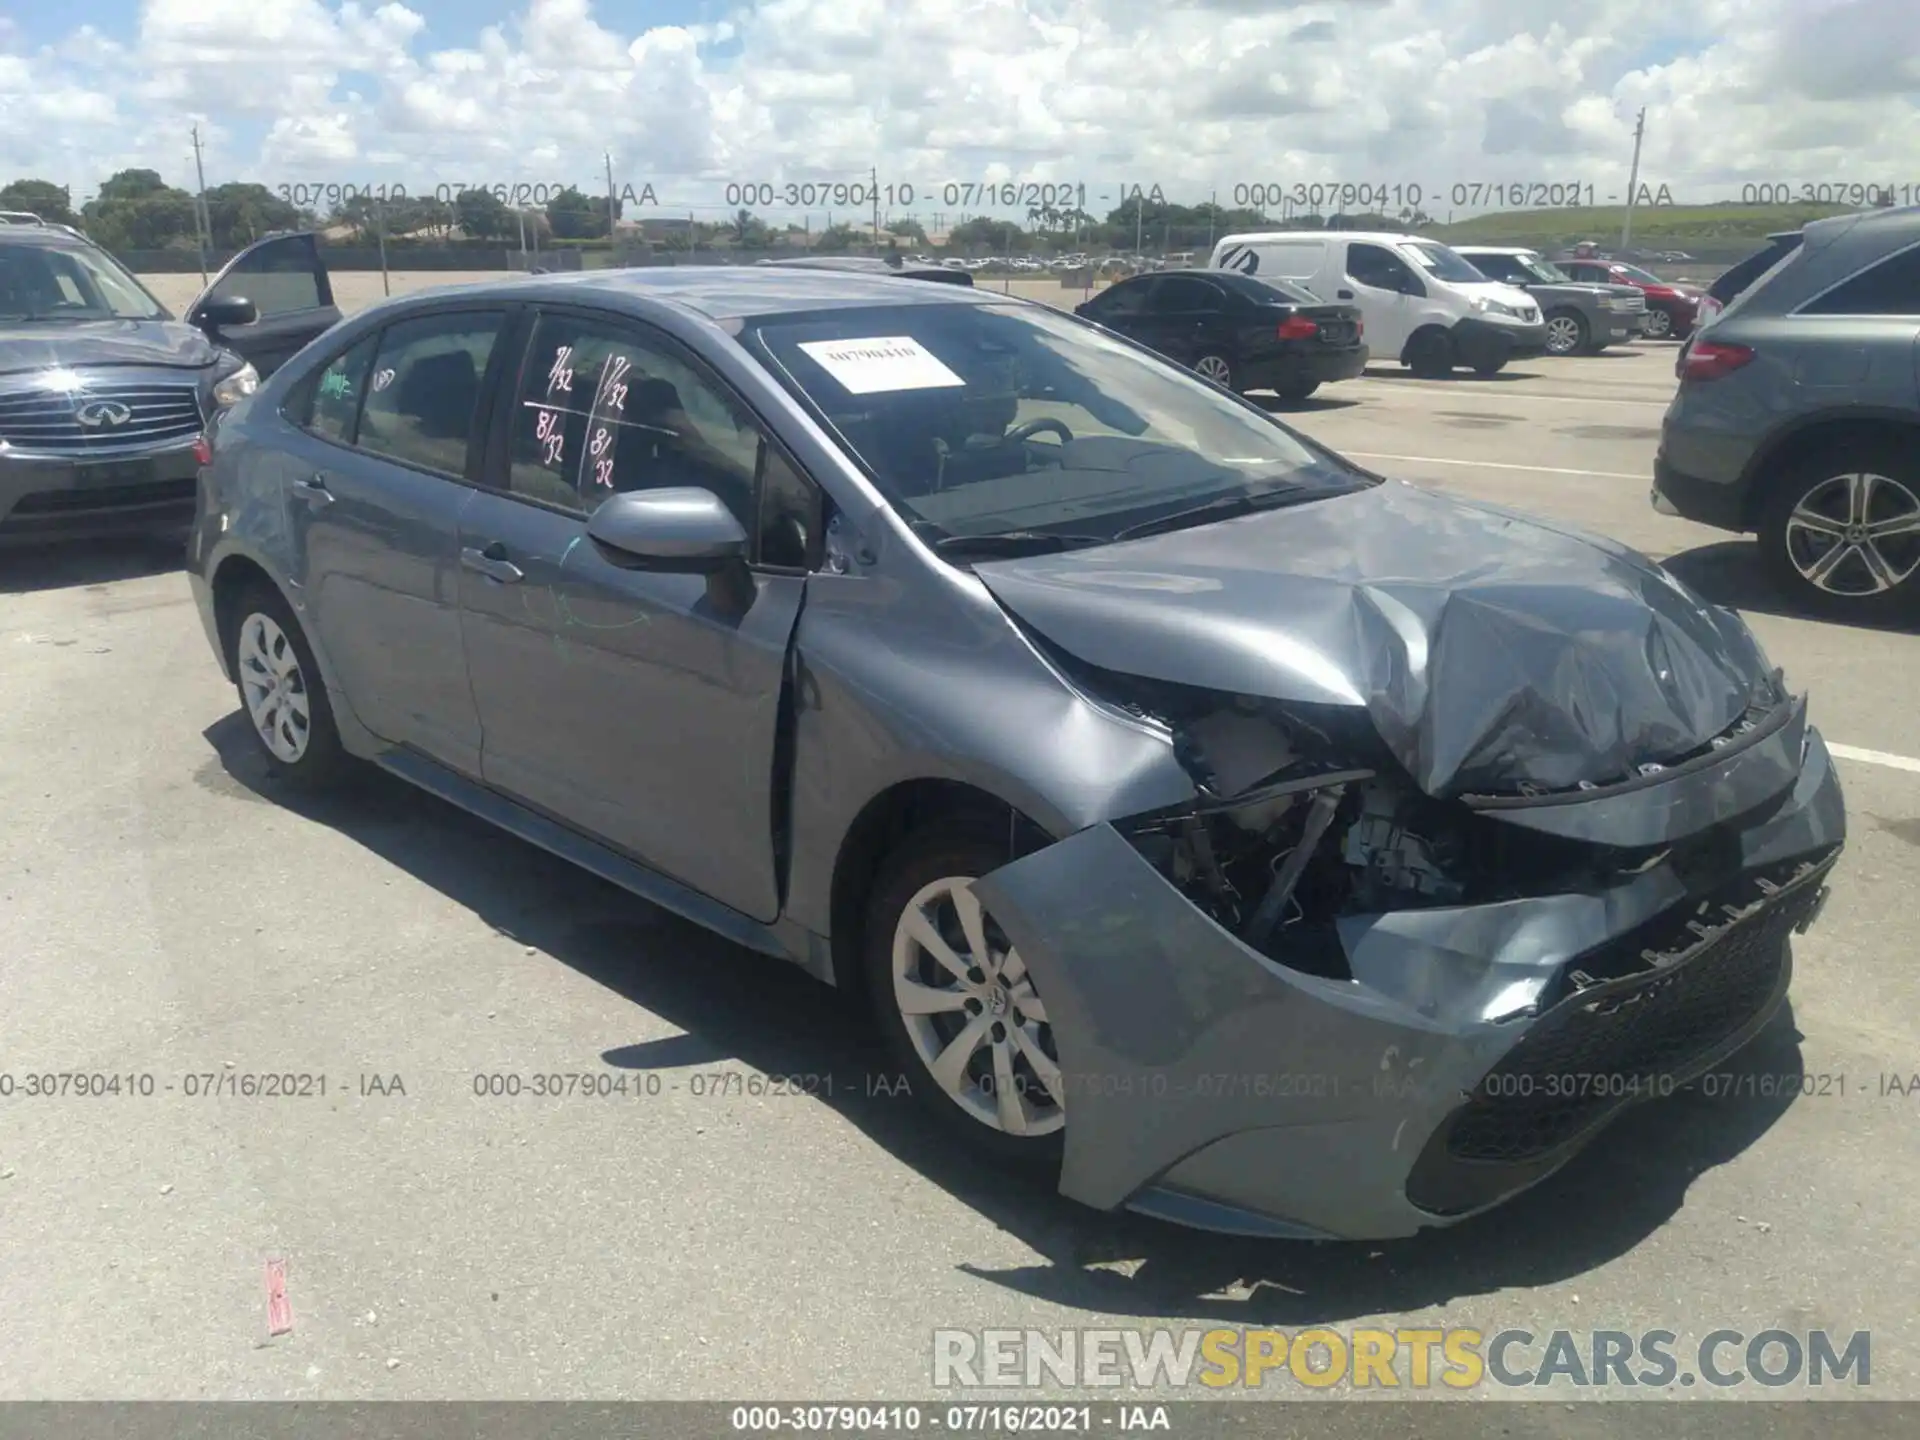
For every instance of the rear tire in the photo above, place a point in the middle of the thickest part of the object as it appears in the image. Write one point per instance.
(1429, 354)
(934, 1013)
(1833, 502)
(282, 693)
(1298, 391)
(1487, 369)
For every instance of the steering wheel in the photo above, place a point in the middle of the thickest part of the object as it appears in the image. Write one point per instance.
(1022, 433)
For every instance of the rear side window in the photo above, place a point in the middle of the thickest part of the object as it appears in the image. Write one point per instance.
(1891, 287)
(1184, 293)
(335, 393)
(425, 389)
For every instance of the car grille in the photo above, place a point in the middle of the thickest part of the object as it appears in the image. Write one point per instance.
(1634, 1039)
(47, 420)
(1629, 304)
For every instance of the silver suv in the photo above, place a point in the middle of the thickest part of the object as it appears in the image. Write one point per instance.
(1798, 417)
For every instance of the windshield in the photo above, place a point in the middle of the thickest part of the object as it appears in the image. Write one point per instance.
(1442, 262)
(1544, 270)
(979, 420)
(1643, 277)
(56, 283)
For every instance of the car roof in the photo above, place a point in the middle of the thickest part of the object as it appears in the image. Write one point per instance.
(723, 292)
(1375, 237)
(14, 232)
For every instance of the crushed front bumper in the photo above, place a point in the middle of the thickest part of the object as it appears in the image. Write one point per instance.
(1210, 1085)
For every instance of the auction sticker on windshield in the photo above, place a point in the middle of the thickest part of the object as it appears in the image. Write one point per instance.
(880, 363)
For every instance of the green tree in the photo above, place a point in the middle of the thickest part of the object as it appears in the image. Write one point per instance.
(44, 198)
(137, 210)
(575, 216)
(483, 215)
(835, 240)
(750, 232)
(239, 214)
(908, 229)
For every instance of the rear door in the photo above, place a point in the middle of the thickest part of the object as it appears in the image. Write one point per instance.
(1868, 337)
(288, 283)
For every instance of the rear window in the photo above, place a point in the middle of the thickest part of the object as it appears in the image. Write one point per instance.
(1742, 276)
(1782, 262)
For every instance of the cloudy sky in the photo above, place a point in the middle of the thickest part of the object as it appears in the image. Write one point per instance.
(1196, 95)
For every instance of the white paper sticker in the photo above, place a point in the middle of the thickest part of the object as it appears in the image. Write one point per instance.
(880, 363)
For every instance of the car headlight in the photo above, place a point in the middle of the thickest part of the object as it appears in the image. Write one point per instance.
(1495, 307)
(236, 387)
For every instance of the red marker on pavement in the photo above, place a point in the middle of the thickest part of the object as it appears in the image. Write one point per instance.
(279, 1308)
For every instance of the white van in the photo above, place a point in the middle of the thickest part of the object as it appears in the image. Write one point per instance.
(1422, 303)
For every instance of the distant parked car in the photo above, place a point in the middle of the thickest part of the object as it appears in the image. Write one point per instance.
(1239, 332)
(1672, 307)
(1582, 318)
(1798, 416)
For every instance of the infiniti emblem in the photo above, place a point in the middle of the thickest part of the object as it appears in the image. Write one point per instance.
(103, 414)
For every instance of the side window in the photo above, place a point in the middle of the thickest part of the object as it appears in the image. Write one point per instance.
(425, 388)
(1890, 288)
(600, 409)
(280, 277)
(1380, 268)
(330, 399)
(1120, 301)
(1184, 294)
(1498, 267)
(792, 516)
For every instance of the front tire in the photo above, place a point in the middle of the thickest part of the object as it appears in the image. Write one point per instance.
(1567, 333)
(1429, 355)
(1841, 531)
(1298, 390)
(1217, 368)
(955, 1003)
(281, 691)
(1659, 325)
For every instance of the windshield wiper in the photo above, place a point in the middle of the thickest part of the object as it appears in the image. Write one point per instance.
(1224, 507)
(1013, 542)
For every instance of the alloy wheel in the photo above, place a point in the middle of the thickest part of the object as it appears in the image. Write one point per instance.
(1659, 325)
(1563, 335)
(972, 1013)
(1855, 535)
(274, 688)
(1213, 368)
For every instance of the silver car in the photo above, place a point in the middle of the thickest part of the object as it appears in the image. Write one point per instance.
(1221, 829)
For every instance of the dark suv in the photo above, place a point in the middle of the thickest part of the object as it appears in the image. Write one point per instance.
(1798, 416)
(104, 396)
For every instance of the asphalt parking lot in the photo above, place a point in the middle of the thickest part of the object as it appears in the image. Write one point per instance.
(164, 912)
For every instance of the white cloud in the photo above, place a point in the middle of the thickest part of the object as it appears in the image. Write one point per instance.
(1192, 94)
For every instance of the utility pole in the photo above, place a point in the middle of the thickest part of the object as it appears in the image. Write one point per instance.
(1139, 201)
(202, 222)
(611, 206)
(1633, 179)
(873, 177)
(1213, 211)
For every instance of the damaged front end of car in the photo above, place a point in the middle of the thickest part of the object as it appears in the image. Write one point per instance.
(1338, 994)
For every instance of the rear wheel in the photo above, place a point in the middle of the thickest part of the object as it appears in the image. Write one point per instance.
(1841, 530)
(1217, 368)
(1566, 333)
(1429, 354)
(1489, 365)
(281, 691)
(958, 1009)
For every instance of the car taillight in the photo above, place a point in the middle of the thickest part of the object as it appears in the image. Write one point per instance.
(1297, 327)
(1709, 360)
(202, 450)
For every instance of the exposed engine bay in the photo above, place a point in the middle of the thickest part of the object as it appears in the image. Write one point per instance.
(1304, 818)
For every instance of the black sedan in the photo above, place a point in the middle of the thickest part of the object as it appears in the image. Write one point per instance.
(1239, 332)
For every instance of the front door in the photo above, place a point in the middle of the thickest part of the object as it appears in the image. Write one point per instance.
(393, 429)
(1183, 319)
(637, 706)
(288, 284)
(1385, 288)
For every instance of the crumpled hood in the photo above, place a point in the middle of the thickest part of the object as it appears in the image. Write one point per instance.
(1491, 649)
(50, 344)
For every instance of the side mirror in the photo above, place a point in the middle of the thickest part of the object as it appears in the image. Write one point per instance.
(683, 530)
(220, 312)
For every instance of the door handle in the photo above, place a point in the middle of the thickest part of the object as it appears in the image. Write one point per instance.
(492, 562)
(314, 489)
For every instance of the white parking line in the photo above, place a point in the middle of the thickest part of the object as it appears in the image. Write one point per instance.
(1503, 393)
(1874, 757)
(1646, 476)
